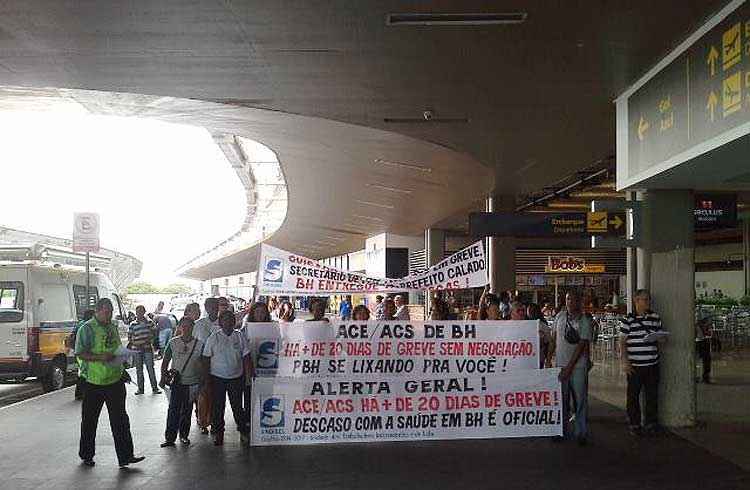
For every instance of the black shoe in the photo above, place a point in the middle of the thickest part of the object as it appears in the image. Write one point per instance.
(652, 430)
(167, 444)
(185, 441)
(582, 441)
(132, 460)
(204, 431)
(157, 391)
(139, 392)
(88, 462)
(635, 430)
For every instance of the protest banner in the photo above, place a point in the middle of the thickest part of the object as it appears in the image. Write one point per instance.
(282, 272)
(287, 411)
(395, 347)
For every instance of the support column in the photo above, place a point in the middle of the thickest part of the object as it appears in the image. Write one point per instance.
(631, 267)
(643, 254)
(746, 253)
(434, 245)
(501, 252)
(673, 296)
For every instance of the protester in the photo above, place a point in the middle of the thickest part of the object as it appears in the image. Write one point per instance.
(572, 337)
(140, 339)
(193, 311)
(318, 308)
(71, 344)
(641, 363)
(202, 331)
(345, 308)
(489, 306)
(97, 341)
(389, 309)
(378, 309)
(273, 308)
(223, 304)
(286, 312)
(402, 310)
(703, 335)
(504, 305)
(163, 331)
(440, 309)
(533, 312)
(360, 313)
(517, 311)
(228, 357)
(258, 314)
(184, 378)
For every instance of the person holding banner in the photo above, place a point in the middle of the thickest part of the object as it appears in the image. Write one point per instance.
(228, 357)
(360, 313)
(203, 329)
(286, 312)
(489, 306)
(402, 311)
(572, 338)
(318, 308)
(389, 309)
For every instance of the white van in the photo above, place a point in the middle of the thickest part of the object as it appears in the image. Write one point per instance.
(40, 304)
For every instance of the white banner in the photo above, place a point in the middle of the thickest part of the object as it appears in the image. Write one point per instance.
(283, 272)
(289, 411)
(392, 348)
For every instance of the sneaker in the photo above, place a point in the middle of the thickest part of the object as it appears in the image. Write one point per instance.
(88, 462)
(132, 460)
(204, 431)
(167, 444)
(185, 441)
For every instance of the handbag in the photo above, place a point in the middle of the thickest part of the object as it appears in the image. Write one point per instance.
(173, 375)
(571, 334)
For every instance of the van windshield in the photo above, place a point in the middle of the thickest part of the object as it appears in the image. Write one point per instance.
(11, 301)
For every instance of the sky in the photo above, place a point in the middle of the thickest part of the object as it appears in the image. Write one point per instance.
(164, 192)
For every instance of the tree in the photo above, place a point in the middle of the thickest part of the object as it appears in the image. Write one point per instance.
(142, 287)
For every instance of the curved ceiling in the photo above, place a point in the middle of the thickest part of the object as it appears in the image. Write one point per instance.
(344, 182)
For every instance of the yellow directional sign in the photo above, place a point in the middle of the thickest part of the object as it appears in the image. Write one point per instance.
(643, 126)
(596, 222)
(731, 46)
(711, 105)
(732, 94)
(616, 222)
(713, 55)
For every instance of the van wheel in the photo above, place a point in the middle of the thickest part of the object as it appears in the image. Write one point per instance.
(55, 379)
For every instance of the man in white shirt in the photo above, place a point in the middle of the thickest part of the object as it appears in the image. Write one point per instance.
(228, 356)
(202, 330)
(402, 312)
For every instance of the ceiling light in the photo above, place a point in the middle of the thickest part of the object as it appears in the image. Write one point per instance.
(458, 19)
(376, 204)
(374, 218)
(389, 188)
(409, 166)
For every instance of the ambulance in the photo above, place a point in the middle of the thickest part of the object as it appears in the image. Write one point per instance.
(42, 298)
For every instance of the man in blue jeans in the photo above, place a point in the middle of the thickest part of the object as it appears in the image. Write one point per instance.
(141, 339)
(572, 338)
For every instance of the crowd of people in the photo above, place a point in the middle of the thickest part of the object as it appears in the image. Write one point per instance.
(206, 360)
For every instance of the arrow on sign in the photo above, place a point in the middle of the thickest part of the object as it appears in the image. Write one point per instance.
(713, 56)
(643, 126)
(616, 222)
(711, 106)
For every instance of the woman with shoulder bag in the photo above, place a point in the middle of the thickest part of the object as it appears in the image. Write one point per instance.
(184, 378)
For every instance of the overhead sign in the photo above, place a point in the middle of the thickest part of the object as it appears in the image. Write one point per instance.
(572, 264)
(700, 95)
(283, 272)
(86, 232)
(714, 211)
(560, 225)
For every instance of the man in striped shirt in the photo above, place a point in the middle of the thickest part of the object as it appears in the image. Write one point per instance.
(140, 339)
(641, 362)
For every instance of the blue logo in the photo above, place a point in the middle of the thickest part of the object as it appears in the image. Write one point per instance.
(268, 354)
(272, 412)
(273, 271)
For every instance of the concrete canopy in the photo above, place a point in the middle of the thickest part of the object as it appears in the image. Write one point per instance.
(331, 88)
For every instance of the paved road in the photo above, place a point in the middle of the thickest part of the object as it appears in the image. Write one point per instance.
(16, 392)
